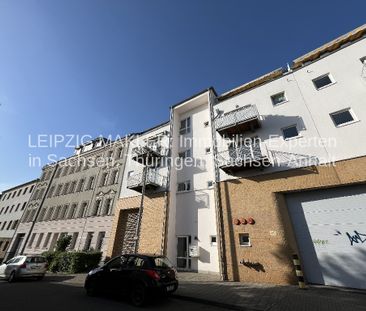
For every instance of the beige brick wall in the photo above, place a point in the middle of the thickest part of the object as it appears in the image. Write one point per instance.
(261, 197)
(152, 229)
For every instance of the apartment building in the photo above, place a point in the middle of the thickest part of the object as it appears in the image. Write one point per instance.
(79, 200)
(13, 202)
(278, 169)
(292, 169)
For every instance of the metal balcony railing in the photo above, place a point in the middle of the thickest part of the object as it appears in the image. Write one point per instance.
(153, 180)
(248, 155)
(148, 153)
(241, 119)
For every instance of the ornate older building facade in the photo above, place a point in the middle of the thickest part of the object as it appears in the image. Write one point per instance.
(75, 196)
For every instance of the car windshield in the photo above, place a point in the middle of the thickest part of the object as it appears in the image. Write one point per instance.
(162, 262)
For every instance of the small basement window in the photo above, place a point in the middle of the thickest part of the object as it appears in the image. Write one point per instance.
(206, 124)
(342, 117)
(323, 81)
(210, 184)
(290, 132)
(244, 239)
(278, 98)
(363, 60)
(208, 150)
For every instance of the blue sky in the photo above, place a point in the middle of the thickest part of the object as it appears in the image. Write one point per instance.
(88, 67)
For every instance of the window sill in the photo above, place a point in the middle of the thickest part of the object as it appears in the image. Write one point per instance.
(292, 138)
(324, 87)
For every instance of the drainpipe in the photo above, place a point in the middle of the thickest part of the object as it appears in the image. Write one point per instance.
(138, 225)
(164, 242)
(217, 192)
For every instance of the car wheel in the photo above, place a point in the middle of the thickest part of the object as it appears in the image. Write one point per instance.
(138, 295)
(91, 289)
(11, 278)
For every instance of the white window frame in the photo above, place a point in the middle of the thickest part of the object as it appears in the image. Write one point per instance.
(186, 184)
(240, 241)
(346, 123)
(333, 81)
(186, 129)
(293, 137)
(280, 103)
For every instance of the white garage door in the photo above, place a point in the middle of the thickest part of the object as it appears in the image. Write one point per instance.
(330, 228)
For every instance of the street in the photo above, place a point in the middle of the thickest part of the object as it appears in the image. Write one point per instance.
(53, 295)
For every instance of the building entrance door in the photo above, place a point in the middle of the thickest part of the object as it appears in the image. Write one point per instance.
(183, 259)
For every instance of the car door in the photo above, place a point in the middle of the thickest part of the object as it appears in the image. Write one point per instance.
(114, 274)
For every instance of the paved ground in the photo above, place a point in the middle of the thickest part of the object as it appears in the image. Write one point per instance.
(66, 291)
(60, 294)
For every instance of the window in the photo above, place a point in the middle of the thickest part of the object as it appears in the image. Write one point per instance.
(19, 192)
(88, 241)
(342, 117)
(50, 192)
(114, 177)
(244, 239)
(25, 190)
(40, 237)
(185, 154)
(323, 81)
(63, 212)
(100, 241)
(47, 240)
(58, 173)
(82, 209)
(185, 126)
(103, 180)
(24, 205)
(107, 207)
(119, 153)
(65, 170)
(363, 59)
(213, 240)
(73, 240)
(290, 132)
(206, 124)
(96, 207)
(72, 211)
(278, 98)
(81, 185)
(72, 187)
(209, 183)
(58, 190)
(15, 224)
(208, 150)
(5, 246)
(32, 240)
(17, 208)
(91, 183)
(66, 188)
(184, 186)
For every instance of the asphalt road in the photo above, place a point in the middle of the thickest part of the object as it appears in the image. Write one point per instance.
(50, 295)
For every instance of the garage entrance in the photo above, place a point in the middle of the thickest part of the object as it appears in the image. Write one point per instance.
(330, 229)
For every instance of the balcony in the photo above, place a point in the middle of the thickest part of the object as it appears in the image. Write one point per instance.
(243, 157)
(238, 121)
(148, 153)
(153, 182)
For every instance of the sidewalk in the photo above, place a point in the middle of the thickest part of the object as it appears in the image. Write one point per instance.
(241, 296)
(247, 297)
